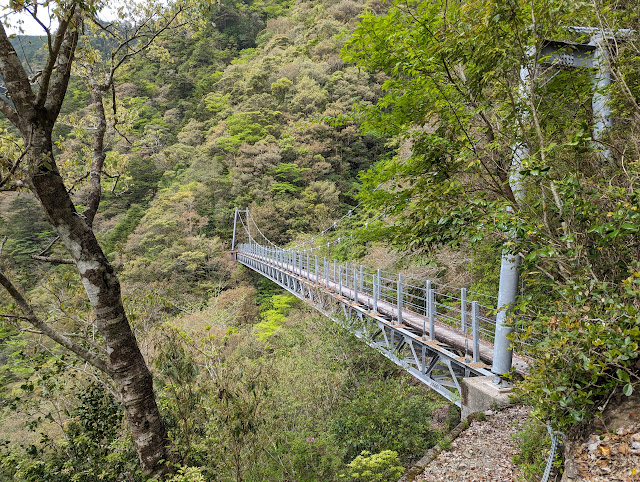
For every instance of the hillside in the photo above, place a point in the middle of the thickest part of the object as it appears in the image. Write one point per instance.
(230, 113)
(458, 139)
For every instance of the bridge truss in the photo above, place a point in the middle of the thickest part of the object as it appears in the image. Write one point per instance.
(437, 337)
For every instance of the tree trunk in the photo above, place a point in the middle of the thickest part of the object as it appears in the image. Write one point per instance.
(128, 368)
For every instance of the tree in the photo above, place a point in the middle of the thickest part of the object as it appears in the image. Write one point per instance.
(483, 107)
(33, 105)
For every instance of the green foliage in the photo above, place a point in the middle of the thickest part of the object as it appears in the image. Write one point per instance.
(485, 268)
(187, 474)
(383, 466)
(380, 417)
(463, 110)
(93, 447)
(26, 230)
(280, 88)
(586, 351)
(534, 445)
(247, 127)
(274, 316)
(124, 228)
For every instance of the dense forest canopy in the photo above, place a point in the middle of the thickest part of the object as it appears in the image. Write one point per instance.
(157, 125)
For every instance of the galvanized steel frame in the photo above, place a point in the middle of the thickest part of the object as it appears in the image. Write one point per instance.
(432, 362)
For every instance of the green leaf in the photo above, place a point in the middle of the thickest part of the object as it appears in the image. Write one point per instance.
(628, 389)
(622, 375)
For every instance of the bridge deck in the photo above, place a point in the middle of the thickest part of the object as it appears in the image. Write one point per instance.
(443, 332)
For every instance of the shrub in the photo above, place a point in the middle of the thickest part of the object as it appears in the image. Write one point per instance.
(383, 466)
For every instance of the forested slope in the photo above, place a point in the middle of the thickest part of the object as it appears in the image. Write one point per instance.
(449, 127)
(238, 109)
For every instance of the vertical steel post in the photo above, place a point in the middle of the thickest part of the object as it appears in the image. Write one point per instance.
(346, 274)
(399, 298)
(340, 281)
(317, 276)
(308, 267)
(426, 309)
(375, 293)
(355, 285)
(379, 279)
(361, 280)
(235, 224)
(325, 271)
(335, 270)
(509, 278)
(432, 321)
(475, 328)
(463, 310)
(600, 101)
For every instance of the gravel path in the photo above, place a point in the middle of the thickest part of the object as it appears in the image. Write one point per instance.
(483, 452)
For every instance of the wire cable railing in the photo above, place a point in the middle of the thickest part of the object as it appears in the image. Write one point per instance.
(423, 304)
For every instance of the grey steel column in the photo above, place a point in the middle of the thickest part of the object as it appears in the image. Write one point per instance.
(340, 281)
(426, 309)
(600, 100)
(432, 321)
(399, 298)
(335, 270)
(509, 263)
(325, 270)
(463, 310)
(355, 285)
(346, 274)
(475, 324)
(235, 223)
(375, 293)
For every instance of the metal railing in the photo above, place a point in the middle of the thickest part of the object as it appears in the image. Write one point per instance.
(433, 304)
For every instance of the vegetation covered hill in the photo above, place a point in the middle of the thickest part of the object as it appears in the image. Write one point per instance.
(251, 104)
(230, 111)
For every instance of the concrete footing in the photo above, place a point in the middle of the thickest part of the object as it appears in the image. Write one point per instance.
(480, 394)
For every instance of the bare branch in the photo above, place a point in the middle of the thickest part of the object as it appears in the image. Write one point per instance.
(8, 112)
(14, 166)
(49, 246)
(76, 181)
(16, 81)
(99, 154)
(12, 317)
(62, 70)
(54, 50)
(167, 25)
(30, 316)
(52, 259)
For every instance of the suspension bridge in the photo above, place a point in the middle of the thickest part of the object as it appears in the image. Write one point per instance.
(437, 333)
